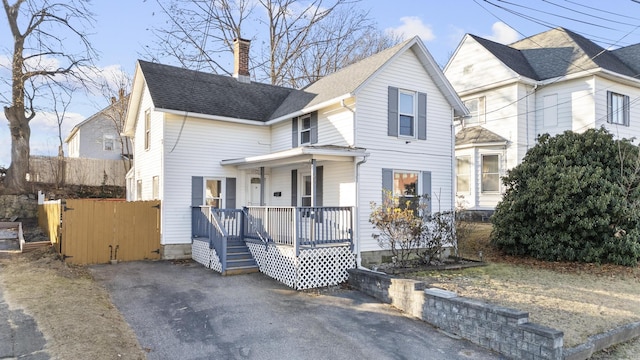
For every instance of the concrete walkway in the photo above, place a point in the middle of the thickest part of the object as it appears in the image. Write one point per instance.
(19, 335)
(184, 311)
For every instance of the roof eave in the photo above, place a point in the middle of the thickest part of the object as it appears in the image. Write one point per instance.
(309, 109)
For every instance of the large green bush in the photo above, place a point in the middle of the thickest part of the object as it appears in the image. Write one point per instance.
(575, 197)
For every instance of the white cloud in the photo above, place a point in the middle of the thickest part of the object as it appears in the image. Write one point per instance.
(503, 33)
(412, 26)
(44, 135)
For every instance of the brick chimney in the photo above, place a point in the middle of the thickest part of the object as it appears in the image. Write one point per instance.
(241, 60)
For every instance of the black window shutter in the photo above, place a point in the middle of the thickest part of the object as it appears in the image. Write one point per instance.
(626, 110)
(609, 107)
(392, 120)
(294, 187)
(422, 116)
(387, 182)
(314, 127)
(319, 185)
(426, 189)
(197, 190)
(294, 132)
(230, 193)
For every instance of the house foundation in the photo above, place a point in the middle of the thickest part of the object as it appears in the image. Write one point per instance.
(175, 251)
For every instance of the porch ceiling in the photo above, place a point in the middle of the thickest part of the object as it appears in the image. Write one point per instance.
(298, 155)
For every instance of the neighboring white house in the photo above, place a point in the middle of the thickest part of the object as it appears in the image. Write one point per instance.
(548, 83)
(97, 137)
(200, 138)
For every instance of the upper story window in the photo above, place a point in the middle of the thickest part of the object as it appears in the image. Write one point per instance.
(108, 143)
(147, 129)
(407, 113)
(463, 174)
(476, 109)
(305, 129)
(490, 173)
(617, 108)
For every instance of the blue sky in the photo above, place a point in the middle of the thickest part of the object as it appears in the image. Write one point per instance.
(123, 28)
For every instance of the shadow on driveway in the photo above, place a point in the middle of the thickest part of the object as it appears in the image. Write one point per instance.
(185, 311)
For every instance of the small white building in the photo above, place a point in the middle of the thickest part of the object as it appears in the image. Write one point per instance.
(332, 147)
(548, 83)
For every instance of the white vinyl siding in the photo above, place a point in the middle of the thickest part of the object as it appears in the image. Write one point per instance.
(148, 163)
(197, 151)
(434, 154)
(472, 66)
(550, 110)
(335, 127)
(618, 131)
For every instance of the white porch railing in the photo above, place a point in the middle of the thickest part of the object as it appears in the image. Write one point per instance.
(300, 226)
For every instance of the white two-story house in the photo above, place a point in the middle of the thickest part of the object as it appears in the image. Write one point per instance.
(385, 122)
(548, 83)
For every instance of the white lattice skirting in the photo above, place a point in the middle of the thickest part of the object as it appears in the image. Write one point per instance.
(313, 268)
(201, 253)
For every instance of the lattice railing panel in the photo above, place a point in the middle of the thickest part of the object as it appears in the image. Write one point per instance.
(216, 265)
(278, 262)
(322, 267)
(201, 253)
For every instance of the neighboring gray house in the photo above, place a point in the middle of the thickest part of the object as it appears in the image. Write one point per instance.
(547, 83)
(98, 136)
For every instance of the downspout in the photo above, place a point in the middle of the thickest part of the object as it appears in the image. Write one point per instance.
(357, 212)
(533, 90)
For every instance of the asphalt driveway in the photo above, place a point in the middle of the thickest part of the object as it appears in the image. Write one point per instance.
(185, 311)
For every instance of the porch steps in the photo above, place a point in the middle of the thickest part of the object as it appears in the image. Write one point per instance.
(239, 259)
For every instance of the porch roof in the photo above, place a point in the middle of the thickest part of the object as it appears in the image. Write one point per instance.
(298, 155)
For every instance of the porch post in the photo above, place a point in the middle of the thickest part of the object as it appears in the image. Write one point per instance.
(262, 186)
(313, 182)
(312, 222)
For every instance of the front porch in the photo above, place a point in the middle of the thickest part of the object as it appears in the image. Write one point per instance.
(302, 247)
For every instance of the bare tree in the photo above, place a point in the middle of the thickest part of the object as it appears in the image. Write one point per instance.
(61, 100)
(302, 40)
(40, 29)
(198, 31)
(115, 91)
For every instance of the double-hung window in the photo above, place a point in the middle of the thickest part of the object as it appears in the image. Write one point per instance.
(490, 173)
(617, 108)
(147, 129)
(305, 130)
(213, 193)
(476, 111)
(463, 174)
(405, 188)
(108, 143)
(406, 112)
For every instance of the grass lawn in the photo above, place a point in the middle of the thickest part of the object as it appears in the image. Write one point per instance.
(579, 299)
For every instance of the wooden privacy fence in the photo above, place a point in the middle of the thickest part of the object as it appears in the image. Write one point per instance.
(49, 221)
(99, 231)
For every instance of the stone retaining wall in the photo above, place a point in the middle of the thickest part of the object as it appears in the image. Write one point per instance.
(501, 329)
(18, 206)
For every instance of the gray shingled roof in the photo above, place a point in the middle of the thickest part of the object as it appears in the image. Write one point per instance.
(557, 52)
(341, 82)
(179, 89)
(477, 135)
(175, 88)
(629, 55)
(513, 58)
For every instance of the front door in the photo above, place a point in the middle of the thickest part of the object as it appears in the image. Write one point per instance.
(254, 191)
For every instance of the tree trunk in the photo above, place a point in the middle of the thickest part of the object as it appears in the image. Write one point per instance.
(16, 179)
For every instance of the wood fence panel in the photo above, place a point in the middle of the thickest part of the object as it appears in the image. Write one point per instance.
(139, 234)
(97, 231)
(49, 221)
